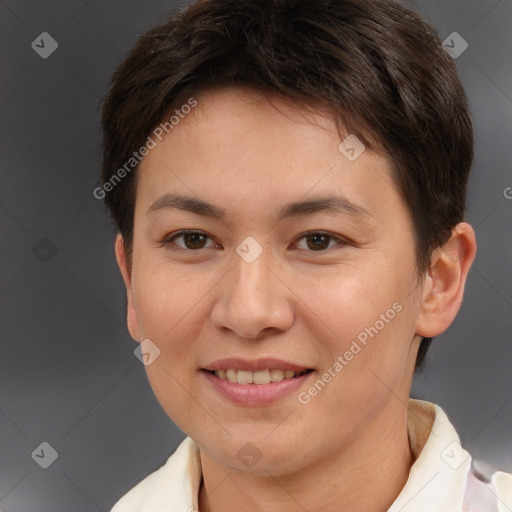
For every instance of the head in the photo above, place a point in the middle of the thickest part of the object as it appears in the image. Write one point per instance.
(244, 107)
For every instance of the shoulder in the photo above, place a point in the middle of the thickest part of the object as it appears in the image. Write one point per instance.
(502, 483)
(138, 495)
(488, 494)
(177, 482)
(465, 481)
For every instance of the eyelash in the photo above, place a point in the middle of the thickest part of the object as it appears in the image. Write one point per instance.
(168, 240)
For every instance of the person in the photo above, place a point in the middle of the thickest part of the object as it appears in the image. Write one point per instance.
(287, 179)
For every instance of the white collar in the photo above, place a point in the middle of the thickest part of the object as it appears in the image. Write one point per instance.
(437, 479)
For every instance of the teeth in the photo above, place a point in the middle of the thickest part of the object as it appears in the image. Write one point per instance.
(262, 377)
(231, 375)
(276, 375)
(245, 377)
(259, 377)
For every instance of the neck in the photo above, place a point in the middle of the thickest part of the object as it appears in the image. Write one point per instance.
(366, 474)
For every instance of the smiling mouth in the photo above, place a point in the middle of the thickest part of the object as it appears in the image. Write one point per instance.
(267, 376)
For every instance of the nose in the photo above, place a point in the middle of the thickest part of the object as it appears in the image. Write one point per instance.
(254, 299)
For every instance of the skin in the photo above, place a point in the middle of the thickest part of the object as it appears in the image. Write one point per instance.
(348, 448)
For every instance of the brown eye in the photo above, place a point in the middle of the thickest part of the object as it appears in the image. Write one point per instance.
(192, 240)
(319, 241)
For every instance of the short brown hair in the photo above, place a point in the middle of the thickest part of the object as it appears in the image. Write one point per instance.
(375, 64)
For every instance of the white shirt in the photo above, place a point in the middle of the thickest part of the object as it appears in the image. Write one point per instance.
(443, 477)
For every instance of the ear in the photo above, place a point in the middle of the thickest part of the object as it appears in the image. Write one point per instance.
(132, 321)
(443, 288)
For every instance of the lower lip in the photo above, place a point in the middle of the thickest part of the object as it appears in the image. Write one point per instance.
(256, 394)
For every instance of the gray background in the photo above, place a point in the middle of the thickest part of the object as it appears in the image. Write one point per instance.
(68, 374)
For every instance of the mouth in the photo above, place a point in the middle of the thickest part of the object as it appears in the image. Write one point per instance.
(256, 389)
(261, 377)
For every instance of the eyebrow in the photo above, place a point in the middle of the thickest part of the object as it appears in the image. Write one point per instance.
(329, 204)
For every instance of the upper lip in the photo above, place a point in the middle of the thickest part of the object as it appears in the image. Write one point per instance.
(254, 365)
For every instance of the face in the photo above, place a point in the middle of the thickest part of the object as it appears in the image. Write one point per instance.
(262, 265)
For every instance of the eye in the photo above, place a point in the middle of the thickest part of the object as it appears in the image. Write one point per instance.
(192, 240)
(320, 240)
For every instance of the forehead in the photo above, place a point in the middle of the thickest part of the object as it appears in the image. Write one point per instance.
(243, 112)
(240, 149)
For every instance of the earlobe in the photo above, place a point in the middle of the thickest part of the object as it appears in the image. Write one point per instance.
(443, 288)
(131, 313)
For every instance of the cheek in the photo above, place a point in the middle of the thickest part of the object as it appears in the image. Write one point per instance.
(350, 304)
(167, 308)
(370, 317)
(168, 302)
(167, 298)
